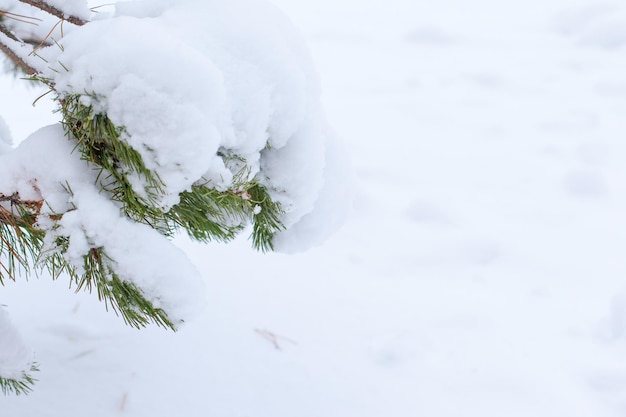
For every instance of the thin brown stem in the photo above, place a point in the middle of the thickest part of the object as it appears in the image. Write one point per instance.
(20, 17)
(45, 39)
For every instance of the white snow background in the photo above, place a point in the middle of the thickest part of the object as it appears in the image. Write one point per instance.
(481, 274)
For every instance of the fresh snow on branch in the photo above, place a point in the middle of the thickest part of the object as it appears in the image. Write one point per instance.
(194, 115)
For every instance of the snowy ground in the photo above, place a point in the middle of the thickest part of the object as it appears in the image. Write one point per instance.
(482, 273)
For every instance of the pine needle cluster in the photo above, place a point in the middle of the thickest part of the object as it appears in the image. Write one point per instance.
(125, 298)
(19, 386)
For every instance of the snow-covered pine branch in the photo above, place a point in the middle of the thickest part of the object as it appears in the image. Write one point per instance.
(184, 115)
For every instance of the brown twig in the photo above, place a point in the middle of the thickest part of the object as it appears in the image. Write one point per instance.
(15, 200)
(11, 54)
(273, 338)
(42, 5)
(8, 216)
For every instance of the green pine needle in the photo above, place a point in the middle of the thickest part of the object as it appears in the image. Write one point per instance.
(100, 142)
(209, 215)
(99, 275)
(19, 386)
(20, 240)
(266, 223)
(124, 297)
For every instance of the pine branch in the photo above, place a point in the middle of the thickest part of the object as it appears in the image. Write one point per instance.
(204, 212)
(207, 214)
(42, 5)
(19, 386)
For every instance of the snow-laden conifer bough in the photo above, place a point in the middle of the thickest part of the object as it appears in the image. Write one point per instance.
(193, 115)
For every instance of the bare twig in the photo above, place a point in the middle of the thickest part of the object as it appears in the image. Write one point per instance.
(15, 200)
(123, 402)
(273, 338)
(42, 5)
(8, 50)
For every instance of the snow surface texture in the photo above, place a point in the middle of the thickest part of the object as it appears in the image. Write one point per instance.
(482, 274)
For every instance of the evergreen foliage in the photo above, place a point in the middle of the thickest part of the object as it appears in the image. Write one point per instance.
(204, 212)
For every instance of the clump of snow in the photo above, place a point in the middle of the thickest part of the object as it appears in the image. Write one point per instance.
(15, 358)
(338, 185)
